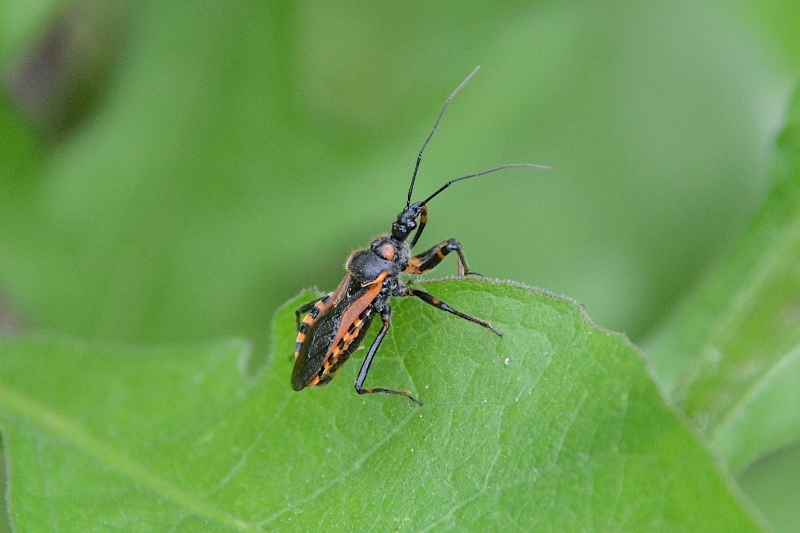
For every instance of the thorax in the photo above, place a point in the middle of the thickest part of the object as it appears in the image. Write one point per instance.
(385, 254)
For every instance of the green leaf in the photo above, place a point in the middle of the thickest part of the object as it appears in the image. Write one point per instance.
(555, 426)
(773, 485)
(739, 337)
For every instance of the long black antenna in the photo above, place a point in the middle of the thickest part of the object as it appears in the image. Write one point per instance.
(419, 157)
(495, 169)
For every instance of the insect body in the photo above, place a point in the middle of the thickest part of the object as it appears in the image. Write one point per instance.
(335, 325)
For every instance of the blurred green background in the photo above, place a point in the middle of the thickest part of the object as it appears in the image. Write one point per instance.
(173, 171)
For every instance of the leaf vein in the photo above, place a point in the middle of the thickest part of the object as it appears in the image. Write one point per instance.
(16, 402)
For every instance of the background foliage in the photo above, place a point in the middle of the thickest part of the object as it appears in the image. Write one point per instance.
(172, 173)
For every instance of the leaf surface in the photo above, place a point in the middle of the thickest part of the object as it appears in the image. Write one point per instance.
(555, 426)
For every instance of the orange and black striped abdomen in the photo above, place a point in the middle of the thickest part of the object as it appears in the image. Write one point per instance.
(308, 332)
(308, 321)
(316, 334)
(327, 338)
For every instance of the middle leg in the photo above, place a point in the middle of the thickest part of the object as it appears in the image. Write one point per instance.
(437, 303)
(362, 374)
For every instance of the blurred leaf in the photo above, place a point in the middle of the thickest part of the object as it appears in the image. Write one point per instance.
(766, 417)
(741, 331)
(21, 22)
(776, 21)
(773, 486)
(555, 426)
(242, 150)
(56, 81)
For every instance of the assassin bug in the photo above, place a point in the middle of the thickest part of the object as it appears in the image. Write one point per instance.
(335, 325)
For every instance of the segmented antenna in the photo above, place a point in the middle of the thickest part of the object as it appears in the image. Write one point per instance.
(495, 169)
(419, 157)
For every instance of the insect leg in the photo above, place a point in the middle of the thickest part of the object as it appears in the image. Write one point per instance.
(423, 219)
(305, 308)
(428, 259)
(362, 374)
(437, 303)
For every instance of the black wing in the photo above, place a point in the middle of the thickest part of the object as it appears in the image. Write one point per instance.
(322, 333)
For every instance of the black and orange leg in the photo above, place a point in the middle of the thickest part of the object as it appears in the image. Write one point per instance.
(305, 308)
(438, 304)
(362, 374)
(423, 219)
(428, 259)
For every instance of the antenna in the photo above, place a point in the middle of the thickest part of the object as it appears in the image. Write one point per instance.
(495, 169)
(419, 157)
